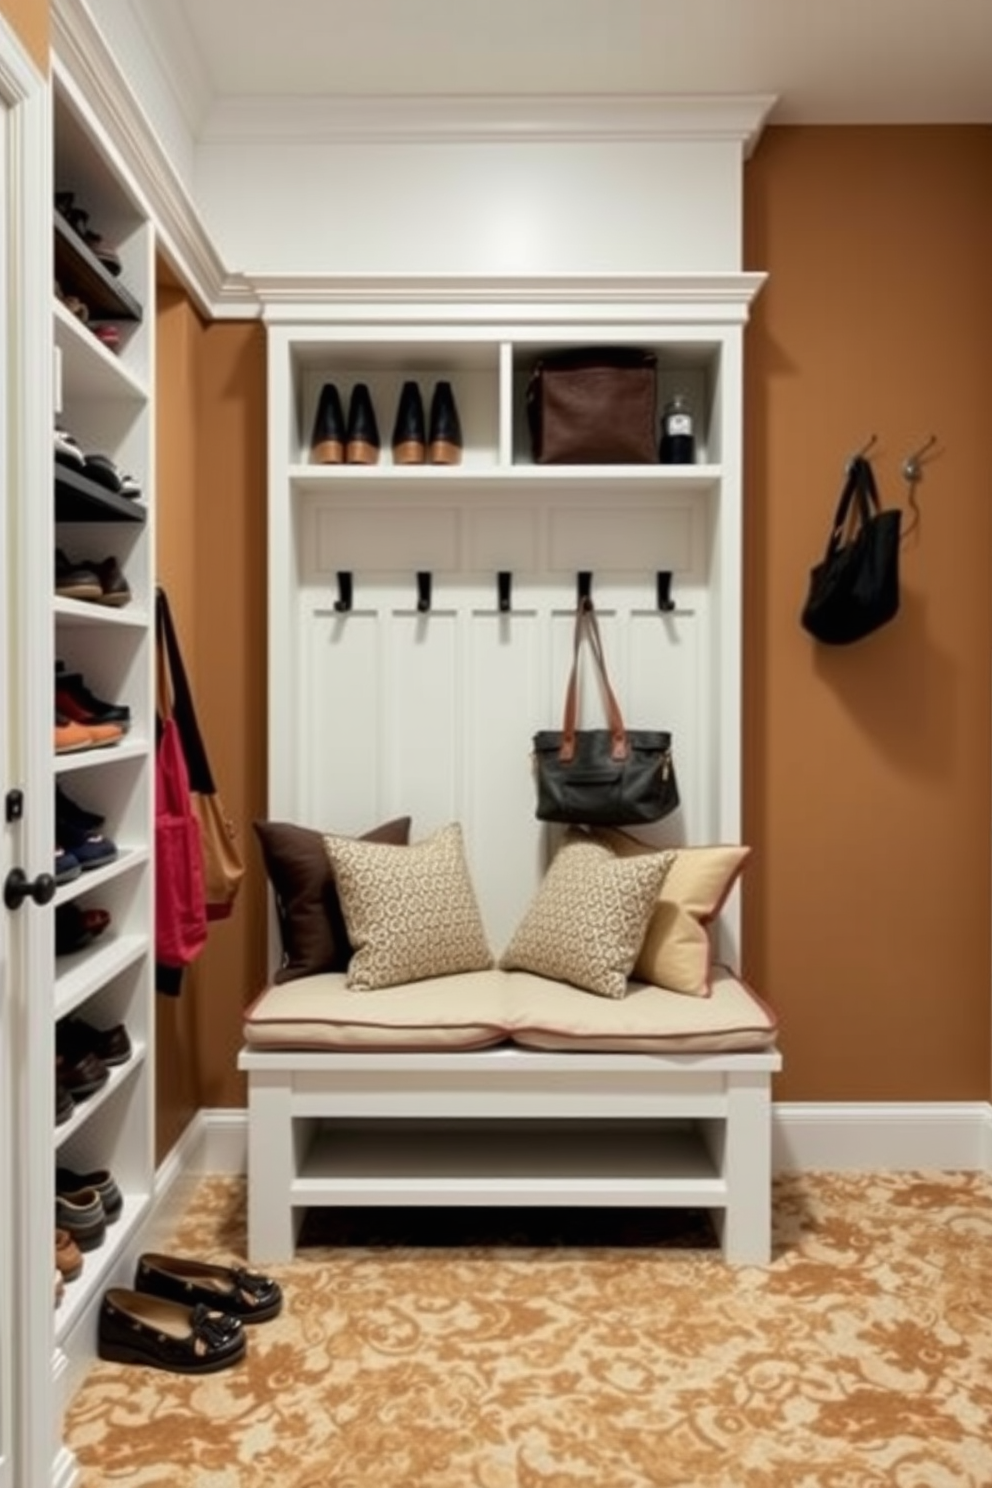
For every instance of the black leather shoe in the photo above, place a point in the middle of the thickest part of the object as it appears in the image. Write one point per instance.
(327, 440)
(410, 430)
(445, 442)
(137, 1329)
(230, 1289)
(362, 443)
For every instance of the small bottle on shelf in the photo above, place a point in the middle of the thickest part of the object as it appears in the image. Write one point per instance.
(678, 442)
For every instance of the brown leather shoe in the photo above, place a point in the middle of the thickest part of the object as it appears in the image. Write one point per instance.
(80, 1074)
(68, 1256)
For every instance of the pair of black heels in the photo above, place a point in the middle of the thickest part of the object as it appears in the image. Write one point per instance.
(416, 440)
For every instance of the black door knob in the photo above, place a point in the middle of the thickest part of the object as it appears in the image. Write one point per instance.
(19, 887)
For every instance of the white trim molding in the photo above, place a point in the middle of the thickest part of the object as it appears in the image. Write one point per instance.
(452, 298)
(885, 1136)
(491, 119)
(806, 1136)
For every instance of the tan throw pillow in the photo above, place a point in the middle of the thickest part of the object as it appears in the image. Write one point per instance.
(676, 952)
(587, 920)
(311, 925)
(411, 912)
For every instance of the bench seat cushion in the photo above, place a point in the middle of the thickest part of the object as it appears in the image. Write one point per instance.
(648, 1020)
(471, 1010)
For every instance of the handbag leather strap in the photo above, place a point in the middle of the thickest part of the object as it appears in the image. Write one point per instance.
(176, 699)
(859, 497)
(586, 625)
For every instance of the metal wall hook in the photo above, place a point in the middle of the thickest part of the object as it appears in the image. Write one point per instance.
(912, 468)
(862, 452)
(504, 582)
(423, 592)
(344, 600)
(665, 601)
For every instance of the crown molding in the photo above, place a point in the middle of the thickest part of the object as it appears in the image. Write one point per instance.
(688, 298)
(456, 119)
(167, 32)
(83, 63)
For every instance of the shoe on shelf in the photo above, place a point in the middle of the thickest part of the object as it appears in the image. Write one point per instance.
(75, 1037)
(67, 866)
(69, 1184)
(108, 335)
(75, 580)
(74, 733)
(362, 440)
(114, 587)
(64, 1104)
(68, 810)
(410, 429)
(80, 705)
(107, 473)
(76, 927)
(135, 1328)
(68, 1256)
(70, 736)
(243, 1294)
(82, 1215)
(82, 1076)
(445, 436)
(67, 451)
(90, 849)
(327, 438)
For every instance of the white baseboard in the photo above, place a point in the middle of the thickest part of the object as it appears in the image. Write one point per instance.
(887, 1136)
(806, 1135)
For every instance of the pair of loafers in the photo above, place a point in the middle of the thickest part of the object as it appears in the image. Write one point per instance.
(184, 1315)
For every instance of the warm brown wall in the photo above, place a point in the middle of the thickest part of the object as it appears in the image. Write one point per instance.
(867, 770)
(868, 902)
(30, 19)
(211, 560)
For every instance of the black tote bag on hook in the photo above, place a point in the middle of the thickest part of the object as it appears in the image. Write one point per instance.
(611, 777)
(855, 588)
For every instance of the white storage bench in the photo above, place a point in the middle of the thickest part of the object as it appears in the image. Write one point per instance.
(502, 1088)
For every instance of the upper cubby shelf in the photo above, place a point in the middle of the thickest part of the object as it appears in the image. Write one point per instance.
(489, 379)
(80, 272)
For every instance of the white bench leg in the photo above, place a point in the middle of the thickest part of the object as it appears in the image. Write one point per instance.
(271, 1168)
(742, 1150)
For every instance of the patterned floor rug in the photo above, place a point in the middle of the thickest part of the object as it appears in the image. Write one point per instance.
(434, 1349)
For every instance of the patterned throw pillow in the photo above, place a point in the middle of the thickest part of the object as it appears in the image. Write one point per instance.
(677, 952)
(587, 921)
(311, 926)
(411, 912)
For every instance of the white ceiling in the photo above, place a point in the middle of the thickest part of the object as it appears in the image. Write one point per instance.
(827, 61)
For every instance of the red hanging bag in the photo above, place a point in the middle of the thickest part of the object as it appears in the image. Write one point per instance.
(180, 896)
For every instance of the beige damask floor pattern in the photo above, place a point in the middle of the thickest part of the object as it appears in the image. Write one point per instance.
(862, 1357)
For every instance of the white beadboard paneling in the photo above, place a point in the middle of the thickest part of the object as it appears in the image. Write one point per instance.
(619, 538)
(339, 740)
(387, 539)
(502, 710)
(420, 722)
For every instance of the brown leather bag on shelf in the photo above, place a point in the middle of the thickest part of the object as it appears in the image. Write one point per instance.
(594, 406)
(223, 866)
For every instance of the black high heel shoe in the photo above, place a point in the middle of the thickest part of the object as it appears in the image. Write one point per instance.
(409, 430)
(362, 440)
(327, 439)
(445, 441)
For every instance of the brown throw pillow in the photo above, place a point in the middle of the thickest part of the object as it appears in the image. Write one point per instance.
(314, 937)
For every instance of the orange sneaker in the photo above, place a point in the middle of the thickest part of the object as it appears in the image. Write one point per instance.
(70, 736)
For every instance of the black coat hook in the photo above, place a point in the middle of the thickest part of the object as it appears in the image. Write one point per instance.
(665, 601)
(423, 592)
(343, 602)
(583, 581)
(504, 581)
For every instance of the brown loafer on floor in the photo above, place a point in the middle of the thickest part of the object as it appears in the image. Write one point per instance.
(138, 1329)
(231, 1289)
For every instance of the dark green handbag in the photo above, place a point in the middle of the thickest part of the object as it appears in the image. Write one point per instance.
(612, 777)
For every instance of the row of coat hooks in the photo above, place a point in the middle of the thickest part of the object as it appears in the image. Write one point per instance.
(912, 466)
(504, 590)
